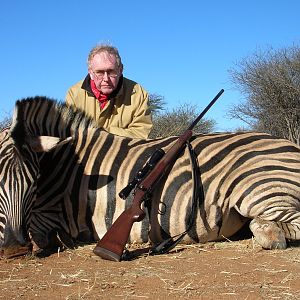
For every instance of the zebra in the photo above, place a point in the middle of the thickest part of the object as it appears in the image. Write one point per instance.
(61, 175)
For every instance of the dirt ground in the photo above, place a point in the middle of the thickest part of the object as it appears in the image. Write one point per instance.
(223, 270)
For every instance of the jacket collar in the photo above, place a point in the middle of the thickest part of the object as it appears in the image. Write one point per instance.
(86, 85)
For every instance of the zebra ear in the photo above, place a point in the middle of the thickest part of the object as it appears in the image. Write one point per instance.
(3, 133)
(46, 143)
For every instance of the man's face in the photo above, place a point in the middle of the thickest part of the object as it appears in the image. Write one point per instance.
(105, 72)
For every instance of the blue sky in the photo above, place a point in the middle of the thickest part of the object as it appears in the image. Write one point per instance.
(181, 50)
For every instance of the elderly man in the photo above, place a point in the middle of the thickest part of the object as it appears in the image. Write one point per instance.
(119, 105)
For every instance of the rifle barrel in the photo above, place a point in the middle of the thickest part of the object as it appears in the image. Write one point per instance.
(206, 109)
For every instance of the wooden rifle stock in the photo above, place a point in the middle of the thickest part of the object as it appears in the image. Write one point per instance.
(112, 244)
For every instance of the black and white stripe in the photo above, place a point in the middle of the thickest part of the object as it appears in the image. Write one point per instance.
(245, 176)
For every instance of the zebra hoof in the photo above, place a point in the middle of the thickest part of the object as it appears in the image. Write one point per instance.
(268, 234)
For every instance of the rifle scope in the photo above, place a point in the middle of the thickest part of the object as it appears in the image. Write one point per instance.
(153, 160)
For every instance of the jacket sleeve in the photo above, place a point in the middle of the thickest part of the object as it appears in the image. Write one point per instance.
(141, 124)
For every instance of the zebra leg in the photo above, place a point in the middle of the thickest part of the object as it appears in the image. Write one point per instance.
(268, 234)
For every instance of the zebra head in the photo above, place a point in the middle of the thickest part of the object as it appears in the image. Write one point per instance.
(20, 153)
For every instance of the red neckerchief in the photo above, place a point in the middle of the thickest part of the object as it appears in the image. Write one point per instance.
(102, 99)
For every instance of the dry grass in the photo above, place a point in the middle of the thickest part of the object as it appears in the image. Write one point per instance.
(227, 270)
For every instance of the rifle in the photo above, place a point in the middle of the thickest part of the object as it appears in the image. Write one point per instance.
(112, 244)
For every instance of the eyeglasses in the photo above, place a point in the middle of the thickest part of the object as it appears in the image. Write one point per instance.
(110, 73)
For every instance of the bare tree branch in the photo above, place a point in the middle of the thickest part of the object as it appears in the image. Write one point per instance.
(270, 83)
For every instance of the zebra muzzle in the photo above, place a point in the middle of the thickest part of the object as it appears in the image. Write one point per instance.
(15, 251)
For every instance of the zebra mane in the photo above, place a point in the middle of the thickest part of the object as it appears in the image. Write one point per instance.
(46, 116)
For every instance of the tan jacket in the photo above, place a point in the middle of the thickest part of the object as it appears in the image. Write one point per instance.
(126, 113)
